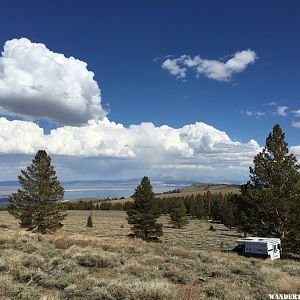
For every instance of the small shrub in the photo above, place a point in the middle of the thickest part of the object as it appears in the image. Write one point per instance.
(136, 290)
(176, 276)
(12, 290)
(288, 285)
(214, 292)
(59, 281)
(109, 248)
(63, 243)
(35, 261)
(241, 270)
(142, 271)
(23, 275)
(3, 265)
(89, 222)
(189, 292)
(221, 245)
(211, 228)
(66, 242)
(28, 248)
(97, 261)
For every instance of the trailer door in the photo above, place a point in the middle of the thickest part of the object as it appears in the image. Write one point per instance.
(270, 250)
(276, 251)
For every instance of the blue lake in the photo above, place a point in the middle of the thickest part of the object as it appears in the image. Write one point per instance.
(95, 189)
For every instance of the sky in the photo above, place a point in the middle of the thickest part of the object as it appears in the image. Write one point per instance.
(168, 89)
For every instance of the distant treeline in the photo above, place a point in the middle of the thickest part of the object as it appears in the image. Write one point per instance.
(218, 207)
(97, 205)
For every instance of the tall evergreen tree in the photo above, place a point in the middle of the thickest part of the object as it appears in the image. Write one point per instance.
(242, 211)
(271, 199)
(228, 212)
(143, 213)
(178, 214)
(38, 203)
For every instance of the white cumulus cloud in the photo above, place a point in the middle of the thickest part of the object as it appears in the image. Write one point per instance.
(172, 65)
(296, 113)
(295, 150)
(38, 83)
(143, 148)
(296, 124)
(282, 110)
(255, 114)
(213, 69)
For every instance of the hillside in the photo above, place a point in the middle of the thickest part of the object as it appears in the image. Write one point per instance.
(201, 188)
(193, 189)
(102, 263)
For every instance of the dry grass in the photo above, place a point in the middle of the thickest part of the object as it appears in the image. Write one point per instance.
(102, 263)
(113, 224)
(204, 188)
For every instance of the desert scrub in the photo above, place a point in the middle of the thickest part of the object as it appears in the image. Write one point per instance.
(242, 270)
(292, 270)
(136, 290)
(52, 281)
(182, 252)
(214, 292)
(85, 266)
(112, 248)
(141, 271)
(176, 275)
(9, 289)
(62, 241)
(127, 288)
(98, 260)
(33, 260)
(212, 271)
(64, 264)
(287, 284)
(221, 288)
(5, 239)
(152, 259)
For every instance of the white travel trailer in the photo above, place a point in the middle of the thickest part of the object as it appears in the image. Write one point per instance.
(261, 247)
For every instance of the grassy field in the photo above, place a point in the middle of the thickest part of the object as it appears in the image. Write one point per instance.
(102, 263)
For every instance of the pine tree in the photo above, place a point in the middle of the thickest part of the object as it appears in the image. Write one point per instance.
(228, 218)
(178, 214)
(271, 202)
(89, 222)
(143, 213)
(38, 203)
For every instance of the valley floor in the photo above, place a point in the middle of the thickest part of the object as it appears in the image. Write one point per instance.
(102, 263)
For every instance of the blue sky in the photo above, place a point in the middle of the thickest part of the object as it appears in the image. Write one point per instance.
(125, 44)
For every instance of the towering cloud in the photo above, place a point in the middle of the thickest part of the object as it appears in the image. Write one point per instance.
(38, 83)
(194, 146)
